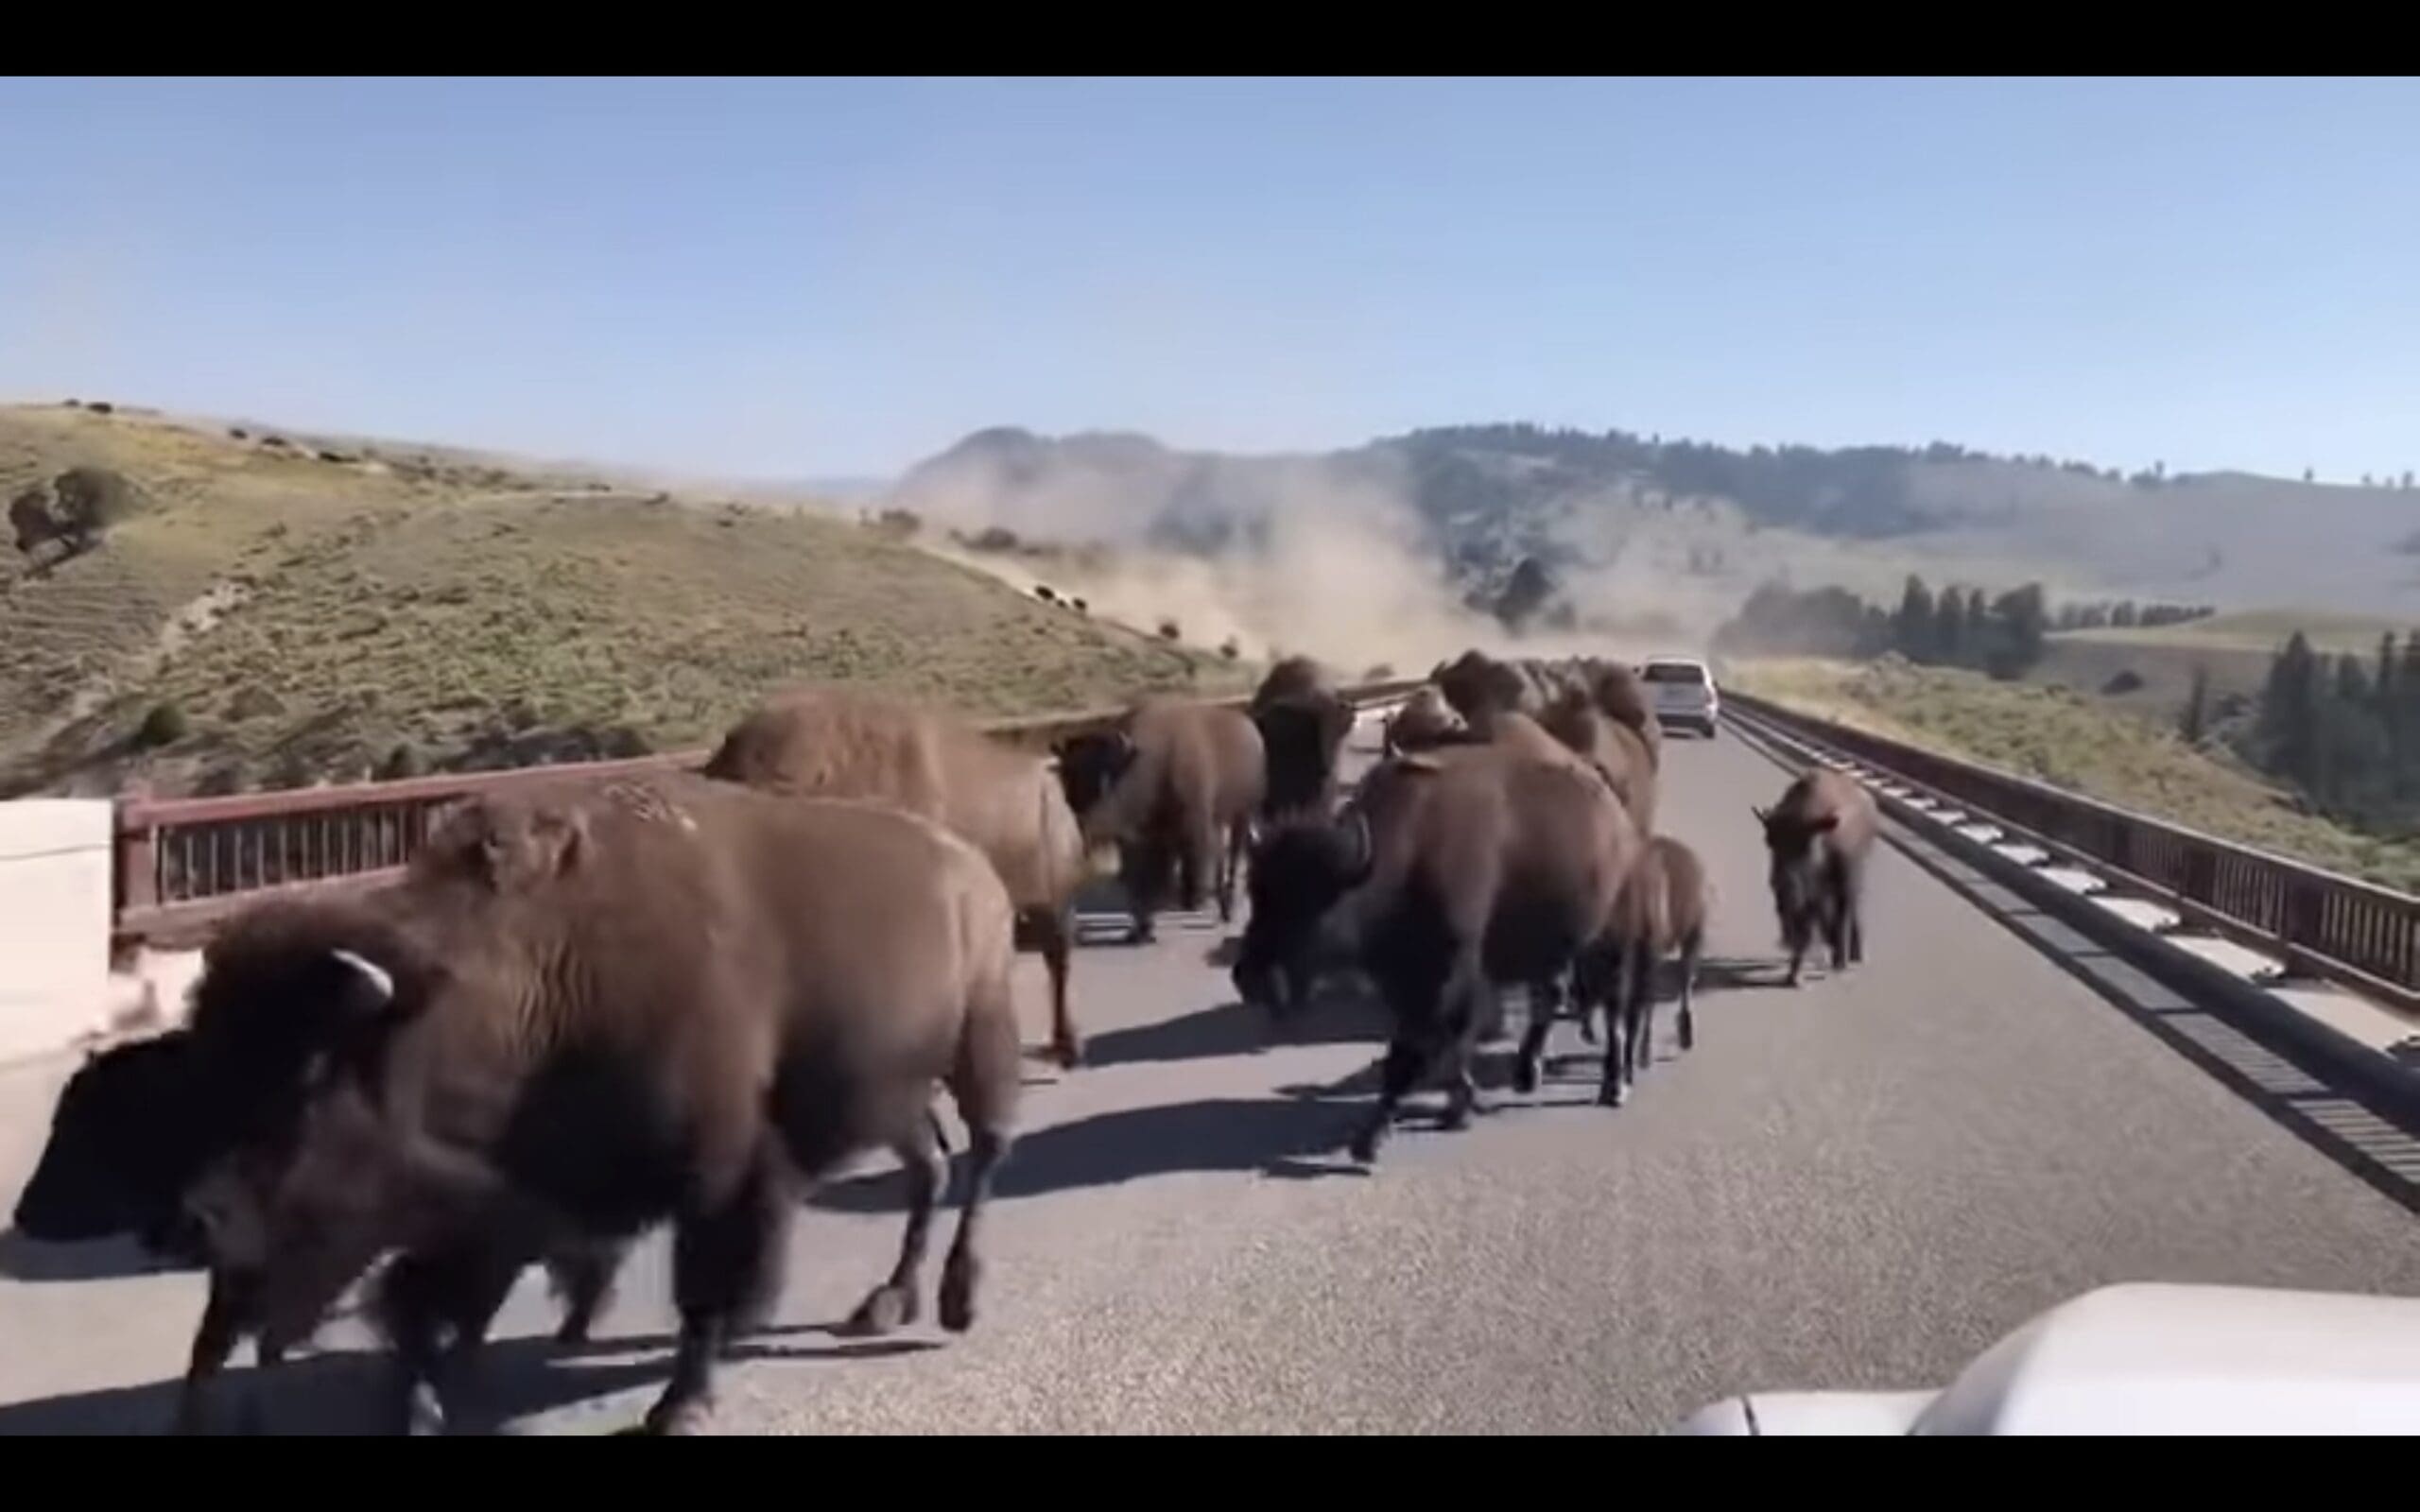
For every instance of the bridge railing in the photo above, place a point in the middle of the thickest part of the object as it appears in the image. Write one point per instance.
(184, 864)
(2320, 924)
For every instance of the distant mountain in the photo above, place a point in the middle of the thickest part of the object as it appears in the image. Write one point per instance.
(1478, 500)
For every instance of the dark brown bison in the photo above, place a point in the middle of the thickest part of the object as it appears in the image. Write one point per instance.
(1421, 722)
(591, 1006)
(844, 743)
(1818, 835)
(1302, 722)
(1292, 678)
(1175, 783)
(1451, 873)
(130, 1138)
(1302, 738)
(121, 1152)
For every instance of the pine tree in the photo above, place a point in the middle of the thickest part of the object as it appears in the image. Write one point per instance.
(2286, 733)
(2195, 721)
(1914, 629)
(1949, 631)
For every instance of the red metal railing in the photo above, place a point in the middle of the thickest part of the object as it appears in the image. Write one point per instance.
(182, 864)
(2321, 923)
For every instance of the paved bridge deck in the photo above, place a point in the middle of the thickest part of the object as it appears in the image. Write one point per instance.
(1858, 1184)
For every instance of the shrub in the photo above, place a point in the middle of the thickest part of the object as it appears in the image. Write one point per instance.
(164, 724)
(1169, 631)
(2124, 680)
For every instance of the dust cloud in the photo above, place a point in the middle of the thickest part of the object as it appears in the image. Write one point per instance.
(1322, 556)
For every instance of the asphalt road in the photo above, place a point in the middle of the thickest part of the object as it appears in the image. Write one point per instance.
(1858, 1184)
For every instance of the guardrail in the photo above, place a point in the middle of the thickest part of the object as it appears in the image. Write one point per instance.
(184, 864)
(2318, 924)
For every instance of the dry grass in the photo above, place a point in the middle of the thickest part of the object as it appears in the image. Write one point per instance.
(309, 618)
(2078, 743)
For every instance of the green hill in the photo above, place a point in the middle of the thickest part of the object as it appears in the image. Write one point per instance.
(305, 614)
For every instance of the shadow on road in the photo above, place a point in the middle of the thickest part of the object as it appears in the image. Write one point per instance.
(27, 1260)
(344, 1391)
(1233, 1029)
(1216, 1134)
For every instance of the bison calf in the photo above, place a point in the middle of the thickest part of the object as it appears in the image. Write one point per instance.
(1176, 784)
(1818, 836)
(1660, 912)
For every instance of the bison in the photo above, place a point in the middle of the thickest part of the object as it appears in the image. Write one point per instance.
(1613, 748)
(1449, 874)
(1660, 911)
(128, 1140)
(1292, 676)
(1423, 721)
(1621, 697)
(1818, 836)
(840, 743)
(591, 1007)
(1175, 781)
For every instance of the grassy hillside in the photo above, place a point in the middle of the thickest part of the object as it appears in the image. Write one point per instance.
(2076, 742)
(397, 610)
(2233, 650)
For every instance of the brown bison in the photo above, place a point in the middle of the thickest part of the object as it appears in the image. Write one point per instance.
(1619, 694)
(1614, 749)
(593, 1007)
(1421, 722)
(1480, 687)
(1818, 835)
(1450, 874)
(1660, 912)
(841, 743)
(1176, 783)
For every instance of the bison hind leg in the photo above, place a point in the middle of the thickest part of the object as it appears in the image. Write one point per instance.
(896, 1303)
(963, 1273)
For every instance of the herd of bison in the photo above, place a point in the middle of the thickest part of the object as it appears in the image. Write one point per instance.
(598, 1004)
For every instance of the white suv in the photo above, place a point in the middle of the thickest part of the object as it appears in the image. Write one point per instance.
(1684, 693)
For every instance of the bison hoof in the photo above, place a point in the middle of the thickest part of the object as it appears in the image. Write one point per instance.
(1068, 1052)
(1525, 1076)
(423, 1415)
(1611, 1094)
(1364, 1148)
(885, 1309)
(1688, 1034)
(959, 1279)
(1587, 1032)
(676, 1420)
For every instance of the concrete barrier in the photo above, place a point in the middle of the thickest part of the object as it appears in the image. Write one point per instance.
(55, 901)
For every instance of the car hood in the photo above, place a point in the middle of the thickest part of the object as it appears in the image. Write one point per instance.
(2149, 1359)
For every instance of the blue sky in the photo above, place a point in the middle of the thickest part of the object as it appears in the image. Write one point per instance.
(819, 278)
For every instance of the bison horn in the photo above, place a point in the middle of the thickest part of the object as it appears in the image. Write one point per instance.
(376, 977)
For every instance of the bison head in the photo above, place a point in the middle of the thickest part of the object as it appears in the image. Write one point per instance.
(304, 1178)
(119, 1152)
(1298, 876)
(1799, 846)
(1090, 766)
